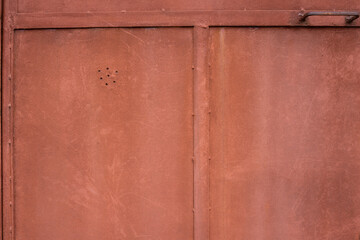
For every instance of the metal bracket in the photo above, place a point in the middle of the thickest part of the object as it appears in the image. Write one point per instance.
(349, 16)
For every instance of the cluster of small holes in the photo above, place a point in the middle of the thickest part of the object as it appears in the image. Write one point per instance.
(107, 76)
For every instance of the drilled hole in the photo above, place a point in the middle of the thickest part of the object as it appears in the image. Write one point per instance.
(106, 84)
(116, 71)
(107, 68)
(99, 70)
(101, 78)
(114, 81)
(108, 75)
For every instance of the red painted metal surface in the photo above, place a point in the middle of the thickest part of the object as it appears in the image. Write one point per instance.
(115, 5)
(147, 120)
(103, 134)
(201, 134)
(285, 133)
(175, 18)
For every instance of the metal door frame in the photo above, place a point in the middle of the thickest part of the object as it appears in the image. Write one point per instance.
(201, 21)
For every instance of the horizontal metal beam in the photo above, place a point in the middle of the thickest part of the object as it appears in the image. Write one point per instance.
(172, 18)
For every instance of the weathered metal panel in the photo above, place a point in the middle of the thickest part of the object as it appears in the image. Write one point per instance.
(103, 134)
(106, 131)
(285, 133)
(153, 5)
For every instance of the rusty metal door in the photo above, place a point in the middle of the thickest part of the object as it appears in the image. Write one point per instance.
(178, 120)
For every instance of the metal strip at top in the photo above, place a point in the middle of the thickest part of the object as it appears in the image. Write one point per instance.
(173, 19)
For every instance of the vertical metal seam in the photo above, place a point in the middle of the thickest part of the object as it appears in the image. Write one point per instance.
(8, 218)
(209, 121)
(11, 134)
(201, 134)
(13, 10)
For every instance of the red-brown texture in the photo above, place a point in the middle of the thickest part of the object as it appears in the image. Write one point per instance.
(201, 134)
(175, 18)
(7, 120)
(97, 161)
(285, 134)
(153, 5)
